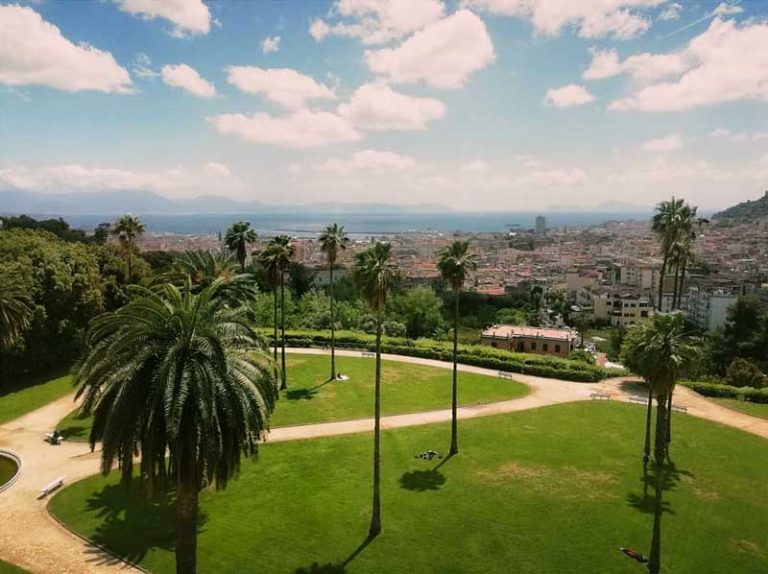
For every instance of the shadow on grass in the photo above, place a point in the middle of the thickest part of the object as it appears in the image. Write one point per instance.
(422, 480)
(634, 388)
(335, 568)
(305, 394)
(76, 432)
(670, 476)
(23, 381)
(132, 524)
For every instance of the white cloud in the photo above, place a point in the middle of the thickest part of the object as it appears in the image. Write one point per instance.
(667, 143)
(282, 86)
(671, 12)
(270, 44)
(377, 21)
(142, 66)
(475, 166)
(642, 68)
(727, 135)
(34, 52)
(568, 96)
(301, 129)
(726, 63)
(605, 64)
(442, 55)
(381, 162)
(174, 181)
(189, 16)
(727, 9)
(591, 18)
(187, 78)
(378, 107)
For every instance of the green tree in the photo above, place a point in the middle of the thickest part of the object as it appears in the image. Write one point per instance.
(269, 262)
(237, 239)
(15, 314)
(333, 241)
(376, 274)
(281, 253)
(665, 224)
(661, 352)
(455, 263)
(127, 229)
(742, 373)
(182, 380)
(420, 309)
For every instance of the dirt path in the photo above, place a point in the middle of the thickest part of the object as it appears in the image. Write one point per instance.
(30, 538)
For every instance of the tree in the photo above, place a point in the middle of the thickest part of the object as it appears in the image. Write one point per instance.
(237, 239)
(333, 241)
(269, 261)
(282, 251)
(661, 352)
(127, 229)
(665, 225)
(420, 309)
(375, 275)
(15, 314)
(181, 380)
(455, 264)
(742, 373)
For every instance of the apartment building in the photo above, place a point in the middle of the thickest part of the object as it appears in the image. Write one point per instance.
(623, 308)
(708, 309)
(524, 339)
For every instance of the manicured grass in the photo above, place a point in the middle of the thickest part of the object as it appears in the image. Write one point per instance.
(26, 395)
(8, 470)
(755, 409)
(6, 568)
(311, 399)
(545, 491)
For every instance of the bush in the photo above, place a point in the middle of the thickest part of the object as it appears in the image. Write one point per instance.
(748, 394)
(742, 373)
(582, 356)
(476, 355)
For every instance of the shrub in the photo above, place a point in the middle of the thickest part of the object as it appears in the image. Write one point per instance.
(742, 373)
(748, 394)
(582, 356)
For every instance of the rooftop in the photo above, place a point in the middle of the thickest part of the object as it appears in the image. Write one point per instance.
(511, 331)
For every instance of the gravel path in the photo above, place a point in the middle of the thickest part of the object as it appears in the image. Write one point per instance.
(30, 538)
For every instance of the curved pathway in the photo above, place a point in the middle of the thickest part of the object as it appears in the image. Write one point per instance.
(30, 538)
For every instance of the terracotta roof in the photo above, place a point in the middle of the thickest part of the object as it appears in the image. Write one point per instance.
(511, 331)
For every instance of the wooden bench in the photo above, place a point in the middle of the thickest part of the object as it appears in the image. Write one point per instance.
(600, 396)
(505, 375)
(638, 400)
(679, 408)
(368, 354)
(51, 486)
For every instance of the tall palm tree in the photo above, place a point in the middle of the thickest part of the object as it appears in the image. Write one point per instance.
(661, 351)
(15, 314)
(332, 241)
(375, 274)
(179, 374)
(455, 263)
(690, 225)
(283, 252)
(666, 226)
(268, 259)
(237, 239)
(127, 229)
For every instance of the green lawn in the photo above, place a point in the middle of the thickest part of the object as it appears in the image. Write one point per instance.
(30, 393)
(405, 388)
(8, 470)
(754, 409)
(545, 491)
(6, 568)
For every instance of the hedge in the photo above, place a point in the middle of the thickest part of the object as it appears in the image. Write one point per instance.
(476, 355)
(728, 392)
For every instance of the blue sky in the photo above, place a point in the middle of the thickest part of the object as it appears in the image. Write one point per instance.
(474, 104)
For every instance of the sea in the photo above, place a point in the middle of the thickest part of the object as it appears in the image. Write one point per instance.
(363, 224)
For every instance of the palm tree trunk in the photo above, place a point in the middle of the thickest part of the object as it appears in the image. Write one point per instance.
(648, 417)
(186, 527)
(284, 384)
(375, 528)
(669, 420)
(674, 290)
(274, 338)
(660, 446)
(455, 390)
(682, 280)
(654, 561)
(661, 281)
(333, 328)
(130, 266)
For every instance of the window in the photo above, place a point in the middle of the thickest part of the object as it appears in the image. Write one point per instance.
(520, 347)
(557, 348)
(493, 344)
(545, 347)
(533, 346)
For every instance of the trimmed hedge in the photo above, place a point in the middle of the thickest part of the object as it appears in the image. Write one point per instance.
(748, 394)
(476, 355)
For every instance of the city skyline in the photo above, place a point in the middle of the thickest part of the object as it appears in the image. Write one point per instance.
(477, 105)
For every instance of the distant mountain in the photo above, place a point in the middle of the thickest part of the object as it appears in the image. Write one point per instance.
(746, 211)
(148, 203)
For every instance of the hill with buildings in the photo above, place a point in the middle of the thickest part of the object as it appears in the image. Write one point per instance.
(746, 211)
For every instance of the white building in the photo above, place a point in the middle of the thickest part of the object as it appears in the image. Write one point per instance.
(541, 225)
(708, 310)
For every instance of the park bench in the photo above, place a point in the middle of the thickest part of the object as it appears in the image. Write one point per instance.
(51, 486)
(505, 375)
(638, 400)
(600, 396)
(679, 408)
(53, 439)
(368, 354)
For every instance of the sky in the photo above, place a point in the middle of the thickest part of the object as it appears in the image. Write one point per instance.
(477, 105)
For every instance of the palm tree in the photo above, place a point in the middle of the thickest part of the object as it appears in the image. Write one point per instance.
(238, 237)
(332, 241)
(268, 259)
(179, 374)
(375, 274)
(455, 264)
(666, 226)
(283, 252)
(690, 225)
(15, 314)
(660, 351)
(127, 229)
